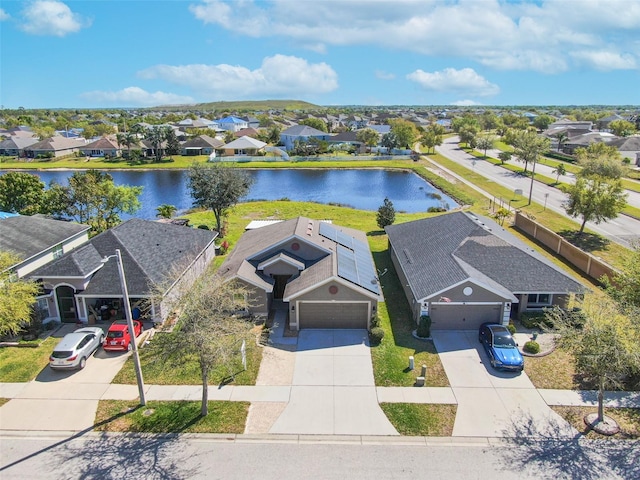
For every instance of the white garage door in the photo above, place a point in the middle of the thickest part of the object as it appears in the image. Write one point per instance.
(463, 317)
(333, 315)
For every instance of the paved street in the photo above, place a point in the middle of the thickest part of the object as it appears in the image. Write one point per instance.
(623, 230)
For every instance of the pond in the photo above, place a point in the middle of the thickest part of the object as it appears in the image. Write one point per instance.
(361, 189)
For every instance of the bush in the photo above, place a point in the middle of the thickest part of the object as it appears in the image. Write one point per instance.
(376, 335)
(375, 321)
(531, 347)
(424, 326)
(532, 320)
(512, 328)
(204, 227)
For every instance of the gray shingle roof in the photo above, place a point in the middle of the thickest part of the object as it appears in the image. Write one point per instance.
(28, 236)
(436, 253)
(303, 131)
(152, 254)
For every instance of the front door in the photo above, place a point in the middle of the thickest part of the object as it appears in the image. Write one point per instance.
(66, 304)
(281, 283)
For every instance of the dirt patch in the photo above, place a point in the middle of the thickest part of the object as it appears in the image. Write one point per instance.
(262, 416)
(277, 366)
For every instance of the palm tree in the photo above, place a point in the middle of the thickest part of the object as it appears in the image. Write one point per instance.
(559, 170)
(166, 211)
(562, 137)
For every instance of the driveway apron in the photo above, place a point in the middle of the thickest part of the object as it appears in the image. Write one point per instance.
(493, 403)
(333, 390)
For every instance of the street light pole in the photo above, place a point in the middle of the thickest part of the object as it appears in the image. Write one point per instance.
(127, 312)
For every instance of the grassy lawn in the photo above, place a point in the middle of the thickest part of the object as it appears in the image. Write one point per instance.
(554, 371)
(627, 418)
(22, 364)
(170, 417)
(420, 419)
(3, 401)
(188, 372)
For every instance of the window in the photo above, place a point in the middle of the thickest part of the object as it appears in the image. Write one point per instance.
(538, 299)
(57, 251)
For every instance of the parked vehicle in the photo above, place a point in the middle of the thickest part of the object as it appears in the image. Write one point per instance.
(74, 348)
(500, 347)
(118, 336)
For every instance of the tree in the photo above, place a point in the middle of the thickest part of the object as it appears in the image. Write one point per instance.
(404, 131)
(468, 134)
(561, 137)
(622, 128)
(127, 139)
(93, 199)
(17, 297)
(595, 198)
(316, 123)
(600, 159)
(386, 214)
(173, 146)
(605, 347)
(389, 140)
(207, 329)
(44, 132)
(218, 188)
(368, 136)
(559, 170)
(432, 136)
(484, 143)
(157, 137)
(22, 193)
(166, 211)
(625, 284)
(501, 215)
(504, 157)
(542, 122)
(528, 146)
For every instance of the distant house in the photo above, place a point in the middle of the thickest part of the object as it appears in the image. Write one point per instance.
(103, 147)
(246, 132)
(190, 124)
(302, 133)
(38, 240)
(55, 146)
(154, 255)
(232, 124)
(201, 145)
(463, 270)
(14, 146)
(584, 140)
(629, 147)
(243, 146)
(347, 138)
(323, 273)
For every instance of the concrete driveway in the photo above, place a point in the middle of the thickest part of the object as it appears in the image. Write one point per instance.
(492, 403)
(333, 390)
(61, 399)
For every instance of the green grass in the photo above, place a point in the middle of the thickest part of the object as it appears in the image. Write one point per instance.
(3, 401)
(22, 364)
(420, 419)
(170, 417)
(188, 372)
(628, 420)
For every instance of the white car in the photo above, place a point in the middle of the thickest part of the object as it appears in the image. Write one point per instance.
(74, 348)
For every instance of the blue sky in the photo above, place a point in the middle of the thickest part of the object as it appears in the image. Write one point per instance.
(130, 53)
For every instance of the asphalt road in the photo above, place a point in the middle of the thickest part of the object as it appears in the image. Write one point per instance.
(624, 230)
(95, 456)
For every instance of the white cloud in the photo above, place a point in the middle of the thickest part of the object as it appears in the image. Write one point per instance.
(606, 60)
(278, 76)
(465, 103)
(51, 17)
(135, 97)
(534, 35)
(382, 75)
(465, 81)
(4, 15)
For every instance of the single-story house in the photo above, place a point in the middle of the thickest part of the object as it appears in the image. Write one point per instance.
(323, 273)
(463, 270)
(302, 133)
(243, 146)
(155, 256)
(201, 145)
(14, 146)
(38, 240)
(348, 138)
(102, 147)
(57, 146)
(629, 147)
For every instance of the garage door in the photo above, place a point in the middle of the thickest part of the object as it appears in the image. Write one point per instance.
(463, 317)
(333, 315)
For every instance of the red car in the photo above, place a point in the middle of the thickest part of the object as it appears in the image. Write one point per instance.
(118, 337)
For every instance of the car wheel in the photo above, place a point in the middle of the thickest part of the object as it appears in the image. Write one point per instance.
(83, 363)
(129, 347)
(101, 339)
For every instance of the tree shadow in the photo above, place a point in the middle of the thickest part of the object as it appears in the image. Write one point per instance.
(550, 451)
(114, 455)
(586, 241)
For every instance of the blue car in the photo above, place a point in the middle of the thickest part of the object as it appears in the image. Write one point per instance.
(502, 349)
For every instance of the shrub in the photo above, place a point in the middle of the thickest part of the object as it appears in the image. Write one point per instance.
(512, 328)
(375, 321)
(532, 320)
(531, 347)
(424, 326)
(203, 227)
(376, 335)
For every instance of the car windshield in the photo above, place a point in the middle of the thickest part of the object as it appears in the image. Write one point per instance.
(62, 354)
(118, 334)
(503, 339)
